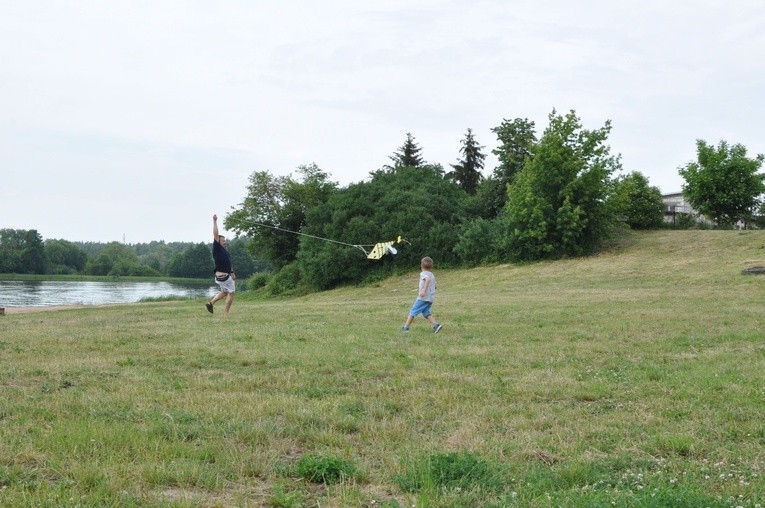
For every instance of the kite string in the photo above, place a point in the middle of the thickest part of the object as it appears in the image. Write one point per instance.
(358, 246)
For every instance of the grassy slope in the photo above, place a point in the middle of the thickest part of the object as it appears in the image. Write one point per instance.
(636, 376)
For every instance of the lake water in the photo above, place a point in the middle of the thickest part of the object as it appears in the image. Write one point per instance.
(49, 293)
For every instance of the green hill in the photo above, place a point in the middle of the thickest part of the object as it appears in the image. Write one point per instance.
(632, 378)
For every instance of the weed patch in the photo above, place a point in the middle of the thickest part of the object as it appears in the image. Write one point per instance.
(322, 469)
(455, 471)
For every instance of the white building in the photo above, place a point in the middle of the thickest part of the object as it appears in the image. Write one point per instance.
(674, 204)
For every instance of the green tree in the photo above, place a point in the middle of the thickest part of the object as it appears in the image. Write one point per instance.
(408, 155)
(92, 249)
(21, 251)
(245, 264)
(724, 184)
(114, 259)
(557, 203)
(417, 203)
(517, 139)
(489, 200)
(274, 207)
(157, 254)
(467, 171)
(639, 204)
(64, 257)
(194, 262)
(34, 253)
(478, 241)
(263, 204)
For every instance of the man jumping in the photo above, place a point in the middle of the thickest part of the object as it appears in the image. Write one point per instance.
(224, 274)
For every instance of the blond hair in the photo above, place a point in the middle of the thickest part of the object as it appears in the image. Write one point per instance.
(426, 263)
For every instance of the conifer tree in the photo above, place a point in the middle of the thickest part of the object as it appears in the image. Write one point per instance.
(467, 172)
(408, 155)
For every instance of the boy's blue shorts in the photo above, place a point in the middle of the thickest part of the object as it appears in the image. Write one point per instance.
(420, 306)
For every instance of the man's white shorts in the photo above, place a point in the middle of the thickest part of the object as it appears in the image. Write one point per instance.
(227, 285)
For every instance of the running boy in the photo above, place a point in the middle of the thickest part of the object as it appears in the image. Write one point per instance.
(425, 297)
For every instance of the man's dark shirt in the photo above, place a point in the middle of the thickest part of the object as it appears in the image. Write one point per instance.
(221, 257)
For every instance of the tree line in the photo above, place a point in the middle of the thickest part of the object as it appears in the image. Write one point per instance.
(554, 194)
(25, 252)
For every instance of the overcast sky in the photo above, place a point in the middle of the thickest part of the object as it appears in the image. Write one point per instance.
(138, 120)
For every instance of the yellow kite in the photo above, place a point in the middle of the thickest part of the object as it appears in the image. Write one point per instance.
(383, 248)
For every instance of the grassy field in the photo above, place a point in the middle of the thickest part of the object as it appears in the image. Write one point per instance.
(631, 378)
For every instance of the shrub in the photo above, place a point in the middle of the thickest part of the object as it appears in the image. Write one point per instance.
(285, 280)
(637, 202)
(462, 471)
(257, 281)
(319, 469)
(479, 242)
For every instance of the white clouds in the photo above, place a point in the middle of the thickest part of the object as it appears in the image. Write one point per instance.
(188, 94)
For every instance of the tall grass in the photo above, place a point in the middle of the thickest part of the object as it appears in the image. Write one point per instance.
(631, 378)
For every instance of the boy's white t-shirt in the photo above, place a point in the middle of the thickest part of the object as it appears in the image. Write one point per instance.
(430, 294)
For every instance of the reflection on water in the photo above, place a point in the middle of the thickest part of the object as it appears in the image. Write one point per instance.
(47, 293)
